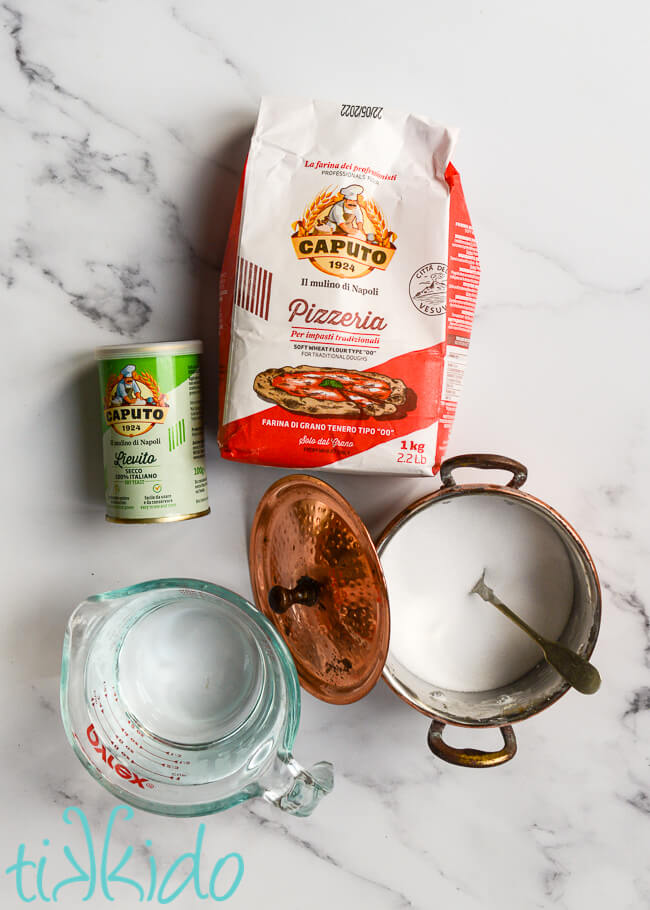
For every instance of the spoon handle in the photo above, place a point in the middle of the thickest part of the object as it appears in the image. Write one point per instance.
(577, 670)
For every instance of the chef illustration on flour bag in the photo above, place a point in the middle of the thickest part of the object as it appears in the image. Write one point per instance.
(345, 216)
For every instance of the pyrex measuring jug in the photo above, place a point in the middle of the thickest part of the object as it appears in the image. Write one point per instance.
(181, 698)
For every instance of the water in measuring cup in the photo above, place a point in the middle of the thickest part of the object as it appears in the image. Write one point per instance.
(189, 672)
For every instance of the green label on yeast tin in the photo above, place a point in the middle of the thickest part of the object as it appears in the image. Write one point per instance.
(154, 456)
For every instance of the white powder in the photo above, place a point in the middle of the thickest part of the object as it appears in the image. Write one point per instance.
(453, 639)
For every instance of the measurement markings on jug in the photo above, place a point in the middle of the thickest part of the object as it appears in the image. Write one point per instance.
(124, 743)
(109, 760)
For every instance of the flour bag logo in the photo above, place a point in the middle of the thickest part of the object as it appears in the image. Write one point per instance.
(344, 233)
(133, 402)
(428, 289)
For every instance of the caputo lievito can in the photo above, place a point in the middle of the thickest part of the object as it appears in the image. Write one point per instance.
(152, 425)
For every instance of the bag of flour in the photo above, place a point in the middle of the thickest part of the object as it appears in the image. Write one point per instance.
(347, 292)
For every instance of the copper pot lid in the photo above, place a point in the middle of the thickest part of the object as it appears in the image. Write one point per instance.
(316, 574)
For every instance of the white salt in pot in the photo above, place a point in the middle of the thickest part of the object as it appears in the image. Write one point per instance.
(318, 575)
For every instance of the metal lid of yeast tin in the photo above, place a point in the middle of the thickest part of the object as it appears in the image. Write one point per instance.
(149, 348)
(152, 431)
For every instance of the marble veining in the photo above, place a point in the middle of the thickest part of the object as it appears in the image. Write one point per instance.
(124, 129)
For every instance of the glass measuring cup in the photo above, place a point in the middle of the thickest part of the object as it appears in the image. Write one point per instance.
(181, 698)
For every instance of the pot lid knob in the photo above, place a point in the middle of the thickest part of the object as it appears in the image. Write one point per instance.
(316, 575)
(306, 593)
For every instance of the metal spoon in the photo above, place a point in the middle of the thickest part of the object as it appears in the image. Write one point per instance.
(577, 670)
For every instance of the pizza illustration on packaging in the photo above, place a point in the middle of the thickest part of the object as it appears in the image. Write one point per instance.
(333, 392)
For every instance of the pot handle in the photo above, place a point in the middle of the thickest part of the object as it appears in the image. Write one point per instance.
(471, 758)
(486, 462)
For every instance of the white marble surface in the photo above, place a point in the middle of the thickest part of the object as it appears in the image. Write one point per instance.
(123, 128)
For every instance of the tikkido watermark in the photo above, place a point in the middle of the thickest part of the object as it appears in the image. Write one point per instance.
(96, 875)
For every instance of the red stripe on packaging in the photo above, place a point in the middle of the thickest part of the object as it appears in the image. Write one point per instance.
(462, 291)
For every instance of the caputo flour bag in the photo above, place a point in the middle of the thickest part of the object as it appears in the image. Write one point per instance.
(347, 292)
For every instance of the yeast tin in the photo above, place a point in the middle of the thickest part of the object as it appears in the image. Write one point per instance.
(154, 454)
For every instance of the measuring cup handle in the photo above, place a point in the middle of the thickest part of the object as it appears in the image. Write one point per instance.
(298, 790)
(485, 462)
(471, 758)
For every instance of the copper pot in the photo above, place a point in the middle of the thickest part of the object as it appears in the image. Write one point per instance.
(316, 573)
(542, 685)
